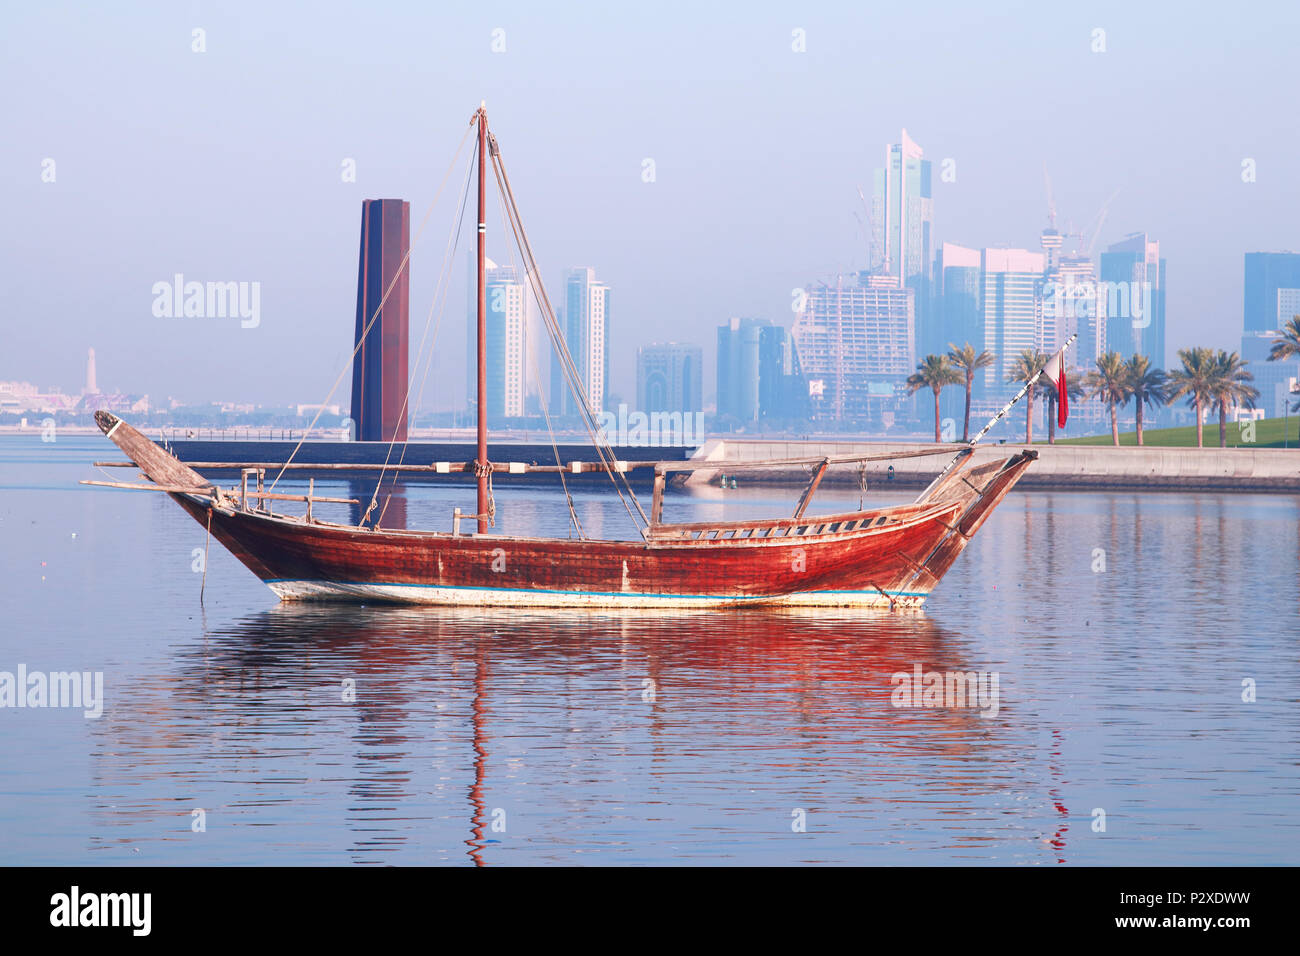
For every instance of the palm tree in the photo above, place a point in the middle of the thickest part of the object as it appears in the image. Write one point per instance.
(1073, 390)
(1231, 386)
(968, 363)
(1109, 382)
(934, 372)
(1195, 380)
(1147, 385)
(1288, 346)
(1023, 368)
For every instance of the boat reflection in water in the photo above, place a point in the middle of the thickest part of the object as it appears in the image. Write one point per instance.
(576, 737)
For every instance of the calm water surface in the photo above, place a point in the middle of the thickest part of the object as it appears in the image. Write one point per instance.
(1121, 627)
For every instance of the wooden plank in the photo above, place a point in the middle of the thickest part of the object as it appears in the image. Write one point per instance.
(437, 468)
(693, 464)
(657, 499)
(898, 512)
(208, 492)
(677, 465)
(188, 490)
(806, 497)
(157, 465)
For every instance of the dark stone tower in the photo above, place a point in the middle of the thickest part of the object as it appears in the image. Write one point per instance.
(380, 369)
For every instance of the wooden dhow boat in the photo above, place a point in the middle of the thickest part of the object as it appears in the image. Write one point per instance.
(889, 557)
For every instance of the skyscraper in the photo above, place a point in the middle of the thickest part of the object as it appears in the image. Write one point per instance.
(903, 220)
(1137, 324)
(1071, 302)
(958, 316)
(1010, 295)
(782, 387)
(92, 388)
(759, 376)
(586, 333)
(1052, 242)
(507, 340)
(1272, 289)
(669, 378)
(380, 374)
(960, 319)
(1273, 380)
(739, 368)
(518, 347)
(855, 340)
(903, 210)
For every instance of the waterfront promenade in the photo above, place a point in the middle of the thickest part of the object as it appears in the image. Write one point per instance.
(1066, 467)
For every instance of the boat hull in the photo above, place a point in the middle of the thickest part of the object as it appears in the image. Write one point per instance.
(888, 557)
(320, 562)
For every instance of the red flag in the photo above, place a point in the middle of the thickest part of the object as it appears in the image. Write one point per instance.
(1054, 371)
(1062, 399)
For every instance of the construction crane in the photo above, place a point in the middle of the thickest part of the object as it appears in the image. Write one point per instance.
(1088, 236)
(873, 253)
(1100, 220)
(1086, 239)
(1051, 240)
(1051, 203)
(866, 235)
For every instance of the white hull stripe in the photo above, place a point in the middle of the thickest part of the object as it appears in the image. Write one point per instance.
(305, 590)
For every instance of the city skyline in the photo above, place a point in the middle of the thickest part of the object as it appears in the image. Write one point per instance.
(999, 299)
(779, 204)
(850, 359)
(1005, 320)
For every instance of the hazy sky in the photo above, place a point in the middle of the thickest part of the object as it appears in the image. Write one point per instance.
(226, 165)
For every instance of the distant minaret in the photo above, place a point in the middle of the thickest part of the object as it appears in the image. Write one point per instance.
(91, 387)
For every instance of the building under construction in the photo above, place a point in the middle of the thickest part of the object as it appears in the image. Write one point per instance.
(856, 339)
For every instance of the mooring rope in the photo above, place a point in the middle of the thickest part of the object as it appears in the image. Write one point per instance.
(203, 585)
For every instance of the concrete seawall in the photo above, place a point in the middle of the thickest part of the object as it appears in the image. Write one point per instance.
(1064, 467)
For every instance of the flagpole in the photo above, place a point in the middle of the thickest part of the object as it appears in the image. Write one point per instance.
(1033, 380)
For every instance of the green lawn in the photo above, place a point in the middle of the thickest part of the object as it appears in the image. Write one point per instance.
(1268, 434)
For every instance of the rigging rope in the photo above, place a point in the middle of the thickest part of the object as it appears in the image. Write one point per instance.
(438, 303)
(603, 449)
(575, 524)
(365, 332)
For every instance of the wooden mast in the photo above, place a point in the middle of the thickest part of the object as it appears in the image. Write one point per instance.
(481, 467)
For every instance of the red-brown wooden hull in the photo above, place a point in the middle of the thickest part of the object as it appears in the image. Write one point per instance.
(889, 557)
(301, 561)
